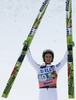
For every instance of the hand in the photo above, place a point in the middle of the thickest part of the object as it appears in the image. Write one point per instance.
(25, 42)
(25, 45)
(71, 44)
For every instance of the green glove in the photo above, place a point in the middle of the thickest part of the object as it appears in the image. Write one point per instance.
(25, 42)
(25, 45)
(71, 45)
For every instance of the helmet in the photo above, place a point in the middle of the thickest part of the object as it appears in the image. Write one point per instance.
(47, 51)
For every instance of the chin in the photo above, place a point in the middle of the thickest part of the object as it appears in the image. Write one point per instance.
(48, 63)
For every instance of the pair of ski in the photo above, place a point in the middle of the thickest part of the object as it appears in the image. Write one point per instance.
(29, 40)
(69, 48)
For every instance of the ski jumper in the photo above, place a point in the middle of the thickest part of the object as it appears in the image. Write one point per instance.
(47, 77)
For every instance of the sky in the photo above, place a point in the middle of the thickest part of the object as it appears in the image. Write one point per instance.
(16, 20)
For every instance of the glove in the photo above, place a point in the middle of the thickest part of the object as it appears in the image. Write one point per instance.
(25, 42)
(72, 44)
(25, 45)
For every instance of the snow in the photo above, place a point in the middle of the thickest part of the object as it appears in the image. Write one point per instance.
(16, 19)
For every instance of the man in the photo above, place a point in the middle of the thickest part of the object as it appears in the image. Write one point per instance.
(47, 74)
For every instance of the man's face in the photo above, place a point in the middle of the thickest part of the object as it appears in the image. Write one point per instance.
(48, 58)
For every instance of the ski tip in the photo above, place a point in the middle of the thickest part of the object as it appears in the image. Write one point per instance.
(72, 96)
(4, 95)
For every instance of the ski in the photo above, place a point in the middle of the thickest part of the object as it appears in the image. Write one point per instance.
(24, 50)
(70, 49)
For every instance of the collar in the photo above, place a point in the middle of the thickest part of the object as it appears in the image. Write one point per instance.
(47, 65)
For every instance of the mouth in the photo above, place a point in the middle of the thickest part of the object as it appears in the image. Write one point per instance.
(48, 61)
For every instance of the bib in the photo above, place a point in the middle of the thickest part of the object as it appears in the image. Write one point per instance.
(47, 77)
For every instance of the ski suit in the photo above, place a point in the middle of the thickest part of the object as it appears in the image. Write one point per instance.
(47, 77)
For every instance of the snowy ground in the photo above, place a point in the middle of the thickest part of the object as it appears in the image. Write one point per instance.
(16, 20)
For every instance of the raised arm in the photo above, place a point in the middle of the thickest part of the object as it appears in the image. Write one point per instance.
(62, 62)
(32, 61)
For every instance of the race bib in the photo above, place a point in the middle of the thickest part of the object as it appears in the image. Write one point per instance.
(47, 77)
